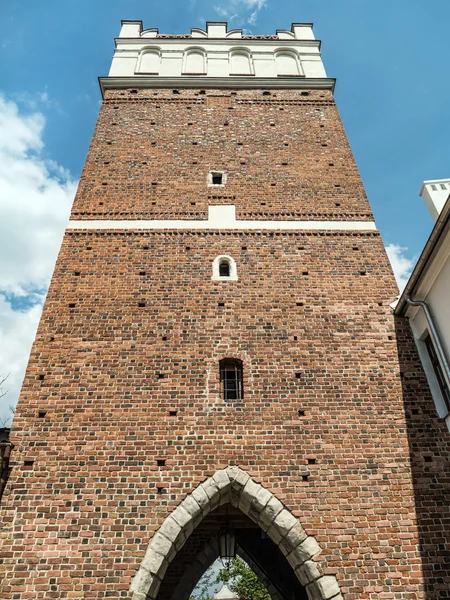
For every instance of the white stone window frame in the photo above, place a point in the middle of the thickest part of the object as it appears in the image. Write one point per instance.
(216, 185)
(195, 50)
(248, 54)
(148, 50)
(295, 55)
(224, 258)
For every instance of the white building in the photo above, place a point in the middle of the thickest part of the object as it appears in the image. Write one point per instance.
(426, 297)
(225, 58)
(225, 594)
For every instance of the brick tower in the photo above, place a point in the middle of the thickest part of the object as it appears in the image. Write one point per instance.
(217, 357)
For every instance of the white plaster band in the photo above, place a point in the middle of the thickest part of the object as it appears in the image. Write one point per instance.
(205, 82)
(260, 225)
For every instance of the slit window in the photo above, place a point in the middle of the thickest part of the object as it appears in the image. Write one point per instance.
(231, 379)
(438, 371)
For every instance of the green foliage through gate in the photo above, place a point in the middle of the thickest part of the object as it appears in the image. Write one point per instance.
(240, 578)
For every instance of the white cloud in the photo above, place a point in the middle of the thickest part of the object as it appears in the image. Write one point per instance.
(401, 264)
(246, 10)
(35, 199)
(37, 100)
(17, 331)
(255, 6)
(221, 11)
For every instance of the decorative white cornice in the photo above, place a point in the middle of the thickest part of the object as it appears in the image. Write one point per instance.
(200, 81)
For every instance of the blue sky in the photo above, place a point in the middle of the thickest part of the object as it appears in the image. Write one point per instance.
(390, 59)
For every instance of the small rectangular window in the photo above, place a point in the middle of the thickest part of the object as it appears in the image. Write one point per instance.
(438, 371)
(231, 379)
(434, 188)
(443, 186)
(217, 178)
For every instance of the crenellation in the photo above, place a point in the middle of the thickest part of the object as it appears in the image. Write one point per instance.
(134, 29)
(216, 53)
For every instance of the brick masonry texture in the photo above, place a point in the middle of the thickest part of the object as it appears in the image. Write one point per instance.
(124, 370)
(286, 156)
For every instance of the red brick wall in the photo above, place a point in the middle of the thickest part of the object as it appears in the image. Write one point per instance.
(314, 304)
(286, 155)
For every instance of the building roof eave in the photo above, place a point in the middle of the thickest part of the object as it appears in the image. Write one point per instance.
(437, 236)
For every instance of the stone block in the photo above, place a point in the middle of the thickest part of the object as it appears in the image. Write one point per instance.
(212, 491)
(249, 493)
(161, 545)
(274, 534)
(307, 572)
(284, 522)
(192, 507)
(294, 537)
(325, 588)
(222, 481)
(184, 519)
(239, 481)
(142, 581)
(170, 529)
(202, 499)
(307, 549)
(271, 510)
(153, 562)
(260, 500)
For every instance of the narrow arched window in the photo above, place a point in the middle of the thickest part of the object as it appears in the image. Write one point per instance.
(231, 379)
(224, 268)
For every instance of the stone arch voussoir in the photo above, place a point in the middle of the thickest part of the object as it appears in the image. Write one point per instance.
(235, 486)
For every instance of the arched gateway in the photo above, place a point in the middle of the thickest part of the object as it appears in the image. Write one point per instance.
(235, 487)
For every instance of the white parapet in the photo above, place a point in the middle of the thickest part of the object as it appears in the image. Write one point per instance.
(217, 53)
(435, 193)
